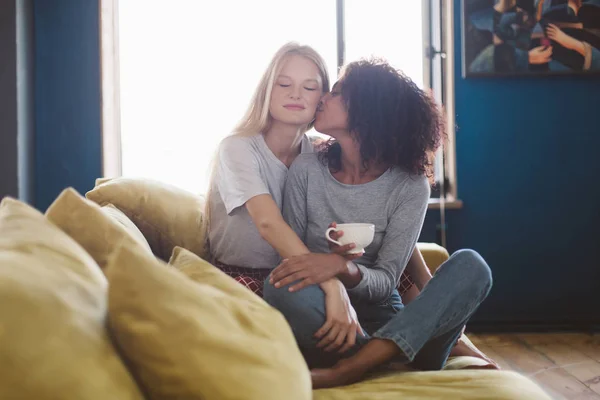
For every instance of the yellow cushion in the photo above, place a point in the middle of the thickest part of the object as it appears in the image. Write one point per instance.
(54, 344)
(189, 340)
(433, 254)
(202, 271)
(446, 385)
(118, 215)
(100, 181)
(166, 215)
(97, 232)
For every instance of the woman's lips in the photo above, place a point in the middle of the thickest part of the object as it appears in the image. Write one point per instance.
(294, 107)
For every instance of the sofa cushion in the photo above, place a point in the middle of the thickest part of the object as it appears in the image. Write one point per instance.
(433, 254)
(95, 229)
(166, 215)
(447, 385)
(200, 340)
(202, 271)
(52, 315)
(120, 217)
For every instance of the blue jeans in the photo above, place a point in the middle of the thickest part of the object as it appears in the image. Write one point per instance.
(425, 330)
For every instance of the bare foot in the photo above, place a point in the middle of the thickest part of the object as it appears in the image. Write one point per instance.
(463, 349)
(341, 374)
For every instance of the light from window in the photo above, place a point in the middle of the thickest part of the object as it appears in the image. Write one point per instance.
(188, 68)
(392, 29)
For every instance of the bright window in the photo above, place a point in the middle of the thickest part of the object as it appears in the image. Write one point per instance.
(392, 29)
(188, 68)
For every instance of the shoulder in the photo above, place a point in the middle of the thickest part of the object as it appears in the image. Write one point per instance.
(413, 186)
(236, 143)
(302, 166)
(238, 149)
(305, 162)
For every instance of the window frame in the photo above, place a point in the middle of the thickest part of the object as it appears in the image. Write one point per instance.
(110, 92)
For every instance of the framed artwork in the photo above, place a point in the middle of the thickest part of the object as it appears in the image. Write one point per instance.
(525, 37)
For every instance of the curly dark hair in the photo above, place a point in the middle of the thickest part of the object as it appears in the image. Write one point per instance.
(395, 122)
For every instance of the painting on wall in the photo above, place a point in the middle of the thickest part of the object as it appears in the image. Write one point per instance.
(524, 37)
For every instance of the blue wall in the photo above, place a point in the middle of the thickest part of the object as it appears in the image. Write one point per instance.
(67, 97)
(528, 165)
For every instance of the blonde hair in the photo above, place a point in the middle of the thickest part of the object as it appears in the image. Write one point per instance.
(257, 118)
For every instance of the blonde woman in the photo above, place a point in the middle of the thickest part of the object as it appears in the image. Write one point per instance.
(247, 235)
(246, 232)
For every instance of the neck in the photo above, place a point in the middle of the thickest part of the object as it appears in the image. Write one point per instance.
(284, 141)
(353, 169)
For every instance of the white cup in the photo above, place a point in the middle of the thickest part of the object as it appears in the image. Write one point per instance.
(359, 234)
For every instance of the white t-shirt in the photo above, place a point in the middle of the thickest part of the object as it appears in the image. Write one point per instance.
(246, 168)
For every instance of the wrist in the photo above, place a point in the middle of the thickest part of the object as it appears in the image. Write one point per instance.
(341, 265)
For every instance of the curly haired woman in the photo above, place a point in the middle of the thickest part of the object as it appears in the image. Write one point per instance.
(374, 170)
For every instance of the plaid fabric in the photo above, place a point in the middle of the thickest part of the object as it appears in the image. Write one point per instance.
(254, 278)
(405, 283)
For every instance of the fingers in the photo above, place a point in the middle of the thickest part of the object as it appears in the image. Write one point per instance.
(547, 53)
(276, 271)
(299, 286)
(543, 50)
(338, 342)
(553, 32)
(350, 339)
(330, 337)
(342, 250)
(290, 279)
(324, 329)
(286, 268)
(340, 336)
(352, 257)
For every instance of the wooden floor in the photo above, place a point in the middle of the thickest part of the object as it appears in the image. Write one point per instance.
(566, 365)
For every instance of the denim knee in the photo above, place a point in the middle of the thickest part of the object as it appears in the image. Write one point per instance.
(304, 310)
(474, 267)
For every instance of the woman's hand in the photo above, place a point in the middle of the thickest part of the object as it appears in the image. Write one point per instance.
(569, 42)
(556, 34)
(341, 326)
(308, 269)
(342, 250)
(540, 55)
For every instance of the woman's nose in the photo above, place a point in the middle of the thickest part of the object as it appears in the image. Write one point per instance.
(295, 93)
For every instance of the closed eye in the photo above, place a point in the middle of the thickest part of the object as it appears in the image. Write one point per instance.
(311, 89)
(282, 85)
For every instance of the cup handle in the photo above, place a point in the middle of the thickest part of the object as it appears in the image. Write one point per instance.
(327, 232)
